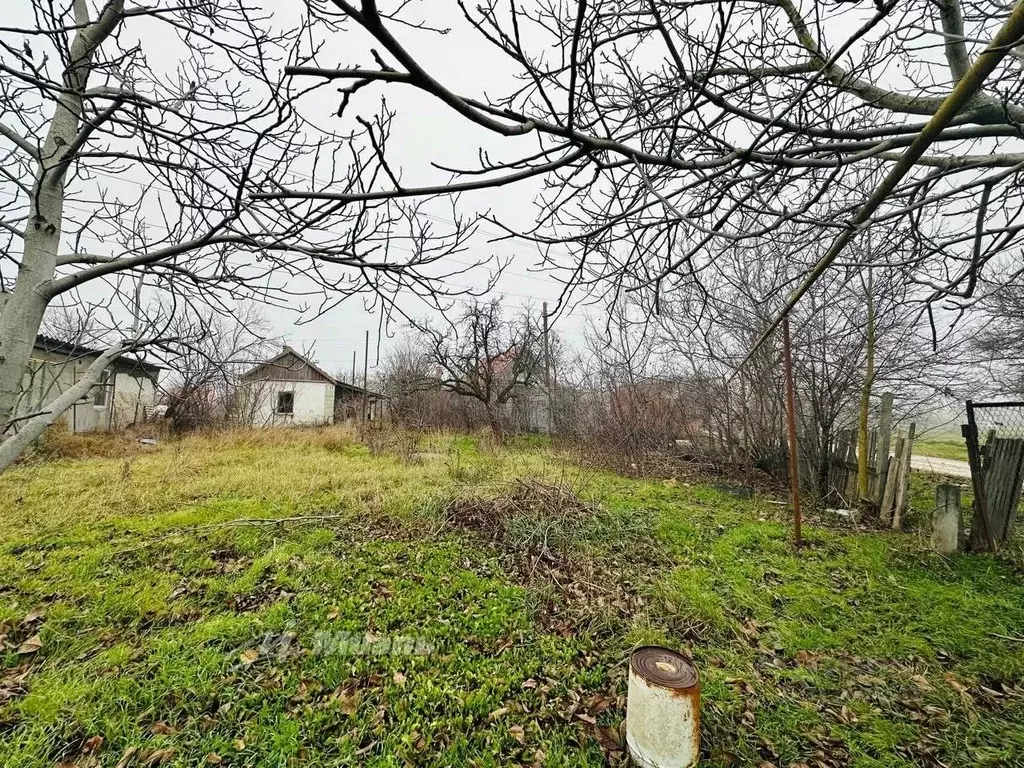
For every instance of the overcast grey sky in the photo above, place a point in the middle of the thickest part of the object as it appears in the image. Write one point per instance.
(426, 131)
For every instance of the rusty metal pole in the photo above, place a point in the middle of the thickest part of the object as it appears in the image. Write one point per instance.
(547, 373)
(794, 454)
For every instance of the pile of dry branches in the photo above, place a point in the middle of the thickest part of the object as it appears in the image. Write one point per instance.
(531, 519)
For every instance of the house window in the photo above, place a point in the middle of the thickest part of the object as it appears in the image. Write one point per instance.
(285, 402)
(99, 398)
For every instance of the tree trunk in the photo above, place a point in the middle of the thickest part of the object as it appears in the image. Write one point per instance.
(863, 475)
(494, 419)
(19, 323)
(14, 444)
(22, 313)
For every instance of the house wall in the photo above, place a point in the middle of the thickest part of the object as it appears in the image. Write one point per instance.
(131, 397)
(313, 402)
(128, 396)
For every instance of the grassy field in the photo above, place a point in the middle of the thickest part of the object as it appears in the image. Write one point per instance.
(942, 447)
(301, 599)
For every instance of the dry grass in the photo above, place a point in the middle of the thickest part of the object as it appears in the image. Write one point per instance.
(58, 442)
(523, 515)
(239, 472)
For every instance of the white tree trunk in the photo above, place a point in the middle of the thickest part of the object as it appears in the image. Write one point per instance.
(22, 313)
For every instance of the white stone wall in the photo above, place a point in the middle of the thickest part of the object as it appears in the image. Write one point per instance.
(313, 402)
(132, 396)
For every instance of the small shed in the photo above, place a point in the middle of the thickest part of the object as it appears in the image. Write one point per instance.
(125, 394)
(290, 389)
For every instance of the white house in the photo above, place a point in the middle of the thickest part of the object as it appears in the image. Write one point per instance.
(125, 395)
(291, 389)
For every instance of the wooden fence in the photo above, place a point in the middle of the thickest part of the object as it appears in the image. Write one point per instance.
(997, 470)
(888, 468)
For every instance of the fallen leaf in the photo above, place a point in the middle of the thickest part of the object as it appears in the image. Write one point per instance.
(517, 733)
(497, 713)
(162, 729)
(608, 738)
(238, 744)
(399, 678)
(214, 759)
(956, 684)
(249, 656)
(127, 757)
(348, 700)
(921, 682)
(805, 657)
(363, 750)
(32, 617)
(31, 645)
(588, 719)
(869, 680)
(92, 744)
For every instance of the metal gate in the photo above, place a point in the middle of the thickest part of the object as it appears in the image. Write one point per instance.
(995, 450)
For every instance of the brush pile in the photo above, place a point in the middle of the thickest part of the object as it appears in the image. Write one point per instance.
(532, 518)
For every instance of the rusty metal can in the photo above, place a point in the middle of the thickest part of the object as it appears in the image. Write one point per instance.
(663, 709)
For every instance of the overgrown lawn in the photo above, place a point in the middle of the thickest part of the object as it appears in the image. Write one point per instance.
(153, 613)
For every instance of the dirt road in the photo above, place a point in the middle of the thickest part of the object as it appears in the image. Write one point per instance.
(951, 467)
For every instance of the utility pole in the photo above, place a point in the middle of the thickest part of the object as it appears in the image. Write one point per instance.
(794, 455)
(366, 364)
(547, 372)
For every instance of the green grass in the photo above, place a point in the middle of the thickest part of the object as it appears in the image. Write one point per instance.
(942, 447)
(171, 630)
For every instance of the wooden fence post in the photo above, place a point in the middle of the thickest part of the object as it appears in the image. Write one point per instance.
(903, 479)
(889, 496)
(884, 440)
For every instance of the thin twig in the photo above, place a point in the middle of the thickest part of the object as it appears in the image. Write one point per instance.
(1007, 637)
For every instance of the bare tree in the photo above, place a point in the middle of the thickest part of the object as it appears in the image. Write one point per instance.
(212, 352)
(711, 330)
(405, 380)
(492, 358)
(667, 133)
(634, 385)
(129, 172)
(1000, 340)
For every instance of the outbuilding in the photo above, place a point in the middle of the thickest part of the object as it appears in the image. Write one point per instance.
(290, 389)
